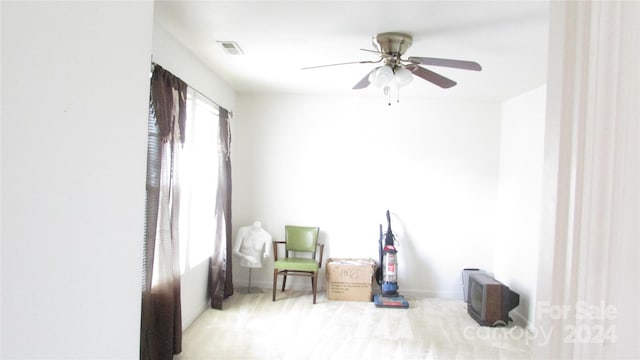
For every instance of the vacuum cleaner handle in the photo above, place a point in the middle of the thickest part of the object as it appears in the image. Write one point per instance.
(388, 221)
(379, 269)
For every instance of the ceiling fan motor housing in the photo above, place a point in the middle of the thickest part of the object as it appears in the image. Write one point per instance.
(393, 43)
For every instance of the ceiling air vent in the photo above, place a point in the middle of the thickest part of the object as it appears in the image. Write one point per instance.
(230, 47)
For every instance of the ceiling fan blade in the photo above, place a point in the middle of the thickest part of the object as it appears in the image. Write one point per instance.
(458, 64)
(381, 54)
(344, 63)
(364, 82)
(430, 76)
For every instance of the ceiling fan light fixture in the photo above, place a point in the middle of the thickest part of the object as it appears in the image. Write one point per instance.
(402, 77)
(381, 76)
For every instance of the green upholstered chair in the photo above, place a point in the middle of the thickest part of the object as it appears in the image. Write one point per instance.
(300, 249)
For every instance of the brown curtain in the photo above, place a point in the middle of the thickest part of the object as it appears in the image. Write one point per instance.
(161, 319)
(220, 274)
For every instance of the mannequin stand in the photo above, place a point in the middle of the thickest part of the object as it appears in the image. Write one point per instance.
(249, 289)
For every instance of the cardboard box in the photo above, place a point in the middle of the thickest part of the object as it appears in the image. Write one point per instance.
(350, 279)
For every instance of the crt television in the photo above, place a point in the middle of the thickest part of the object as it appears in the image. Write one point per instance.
(489, 301)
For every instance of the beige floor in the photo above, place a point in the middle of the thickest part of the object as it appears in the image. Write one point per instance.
(251, 326)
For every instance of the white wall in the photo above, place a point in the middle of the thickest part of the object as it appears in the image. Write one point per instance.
(174, 57)
(519, 197)
(340, 163)
(171, 55)
(75, 88)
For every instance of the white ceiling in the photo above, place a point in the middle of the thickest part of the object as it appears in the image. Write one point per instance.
(508, 38)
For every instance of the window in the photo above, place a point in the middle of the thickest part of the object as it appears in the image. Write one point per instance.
(198, 178)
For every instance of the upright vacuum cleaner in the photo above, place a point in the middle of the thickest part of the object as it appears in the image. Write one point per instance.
(387, 275)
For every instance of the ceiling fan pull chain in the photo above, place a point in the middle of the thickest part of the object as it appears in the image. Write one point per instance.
(387, 91)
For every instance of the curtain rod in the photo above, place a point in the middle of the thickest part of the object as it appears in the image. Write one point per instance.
(153, 65)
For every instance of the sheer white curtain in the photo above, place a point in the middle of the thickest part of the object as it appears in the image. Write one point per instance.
(588, 293)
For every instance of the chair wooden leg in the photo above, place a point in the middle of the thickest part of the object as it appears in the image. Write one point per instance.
(314, 281)
(284, 279)
(275, 281)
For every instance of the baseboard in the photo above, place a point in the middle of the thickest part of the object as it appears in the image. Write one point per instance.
(449, 295)
(204, 308)
(301, 286)
(292, 283)
(522, 321)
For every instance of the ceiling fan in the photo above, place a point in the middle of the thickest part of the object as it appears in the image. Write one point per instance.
(397, 71)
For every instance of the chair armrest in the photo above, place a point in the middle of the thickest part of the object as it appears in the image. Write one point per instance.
(275, 249)
(321, 252)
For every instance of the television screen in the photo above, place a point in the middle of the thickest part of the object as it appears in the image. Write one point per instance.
(490, 301)
(465, 280)
(476, 293)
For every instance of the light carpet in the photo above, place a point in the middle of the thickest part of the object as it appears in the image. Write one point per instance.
(251, 326)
